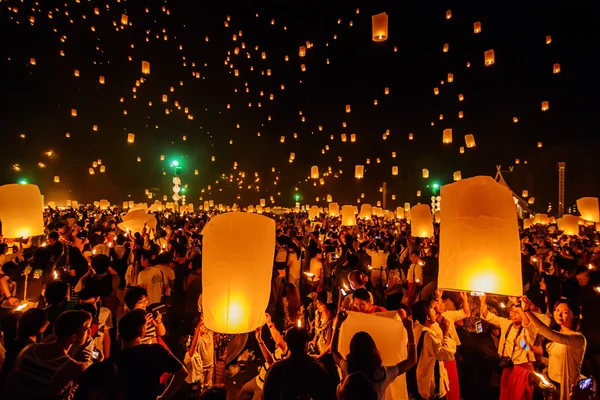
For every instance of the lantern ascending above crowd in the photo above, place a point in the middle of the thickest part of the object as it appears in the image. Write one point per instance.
(380, 27)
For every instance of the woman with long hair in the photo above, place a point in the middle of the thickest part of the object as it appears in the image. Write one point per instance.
(364, 357)
(567, 347)
(292, 306)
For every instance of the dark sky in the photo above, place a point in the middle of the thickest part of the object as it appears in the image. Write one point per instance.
(37, 100)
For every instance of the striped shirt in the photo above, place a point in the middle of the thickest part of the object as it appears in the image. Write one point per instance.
(262, 371)
(34, 377)
(150, 333)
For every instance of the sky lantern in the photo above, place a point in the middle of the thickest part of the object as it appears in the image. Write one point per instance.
(101, 80)
(76, 73)
(343, 137)
(527, 222)
(541, 219)
(556, 68)
(589, 209)
(348, 108)
(457, 176)
(164, 98)
(410, 136)
(477, 27)
(386, 90)
(446, 47)
(447, 136)
(73, 112)
(302, 51)
(303, 68)
(314, 172)
(57, 179)
(436, 91)
(313, 212)
(124, 19)
(460, 114)
(235, 288)
(569, 224)
(461, 97)
(479, 242)
(418, 193)
(448, 14)
(379, 24)
(450, 78)
(365, 211)
(470, 140)
(515, 120)
(359, 171)
(32, 61)
(425, 173)
(394, 170)
(333, 209)
(540, 144)
(548, 39)
(91, 171)
(130, 138)
(21, 211)
(489, 57)
(348, 216)
(421, 221)
(545, 106)
(145, 67)
(103, 168)
(525, 193)
(282, 139)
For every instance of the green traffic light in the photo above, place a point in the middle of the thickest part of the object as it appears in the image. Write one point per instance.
(175, 163)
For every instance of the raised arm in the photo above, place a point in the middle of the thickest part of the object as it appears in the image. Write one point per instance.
(567, 339)
(337, 356)
(279, 342)
(263, 348)
(411, 358)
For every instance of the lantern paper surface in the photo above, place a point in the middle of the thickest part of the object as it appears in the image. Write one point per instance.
(425, 173)
(314, 172)
(400, 212)
(359, 171)
(479, 241)
(447, 136)
(21, 211)
(334, 209)
(470, 140)
(541, 219)
(457, 176)
(313, 213)
(236, 276)
(380, 27)
(365, 211)
(421, 221)
(390, 338)
(527, 222)
(589, 209)
(569, 224)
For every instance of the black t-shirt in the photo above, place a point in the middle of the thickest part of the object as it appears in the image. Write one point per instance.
(141, 367)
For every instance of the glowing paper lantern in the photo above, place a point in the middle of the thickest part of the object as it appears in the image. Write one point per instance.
(329, 198)
(353, 137)
(525, 193)
(470, 140)
(425, 173)
(556, 68)
(548, 39)
(457, 176)
(334, 210)
(541, 219)
(527, 222)
(348, 216)
(314, 172)
(145, 67)
(380, 27)
(302, 52)
(446, 48)
(477, 27)
(406, 207)
(57, 179)
(21, 211)
(359, 171)
(124, 19)
(73, 112)
(447, 136)
(450, 78)
(410, 136)
(400, 212)
(479, 240)
(394, 170)
(235, 288)
(348, 108)
(263, 202)
(421, 221)
(569, 224)
(448, 14)
(545, 106)
(489, 58)
(365, 211)
(589, 209)
(461, 150)
(313, 213)
(130, 138)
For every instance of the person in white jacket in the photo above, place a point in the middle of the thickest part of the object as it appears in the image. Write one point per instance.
(431, 376)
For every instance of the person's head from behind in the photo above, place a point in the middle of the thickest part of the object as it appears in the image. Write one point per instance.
(296, 339)
(32, 323)
(362, 300)
(146, 258)
(56, 292)
(12, 270)
(356, 279)
(73, 327)
(132, 325)
(363, 356)
(53, 237)
(414, 256)
(566, 313)
(423, 313)
(357, 386)
(3, 248)
(582, 275)
(136, 298)
(100, 263)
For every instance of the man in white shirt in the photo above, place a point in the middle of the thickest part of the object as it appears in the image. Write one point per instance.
(432, 348)
(151, 279)
(415, 276)
(378, 260)
(316, 267)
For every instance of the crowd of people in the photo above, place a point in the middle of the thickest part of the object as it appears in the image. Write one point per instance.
(91, 311)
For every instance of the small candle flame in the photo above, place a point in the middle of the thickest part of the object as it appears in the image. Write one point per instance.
(502, 305)
(299, 323)
(21, 307)
(44, 244)
(545, 381)
(55, 274)
(93, 251)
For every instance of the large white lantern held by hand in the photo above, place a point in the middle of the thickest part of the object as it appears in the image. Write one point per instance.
(21, 211)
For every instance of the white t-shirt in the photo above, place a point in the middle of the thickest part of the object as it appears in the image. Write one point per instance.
(315, 266)
(415, 273)
(169, 278)
(556, 353)
(104, 324)
(294, 266)
(152, 279)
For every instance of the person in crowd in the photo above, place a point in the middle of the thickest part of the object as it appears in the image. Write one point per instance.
(299, 375)
(141, 366)
(429, 378)
(362, 302)
(56, 302)
(357, 386)
(152, 278)
(379, 257)
(30, 328)
(253, 389)
(193, 289)
(291, 306)
(120, 256)
(515, 333)
(102, 321)
(567, 347)
(101, 381)
(364, 357)
(364, 259)
(323, 325)
(357, 280)
(100, 278)
(414, 276)
(45, 370)
(136, 298)
(199, 359)
(294, 264)
(316, 268)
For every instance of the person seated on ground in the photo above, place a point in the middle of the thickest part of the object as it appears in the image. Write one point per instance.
(364, 303)
(141, 367)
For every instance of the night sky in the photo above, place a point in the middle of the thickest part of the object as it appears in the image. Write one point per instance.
(172, 36)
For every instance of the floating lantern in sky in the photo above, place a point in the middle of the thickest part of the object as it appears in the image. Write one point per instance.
(410, 136)
(303, 68)
(387, 90)
(541, 219)
(379, 27)
(101, 80)
(130, 138)
(359, 171)
(145, 67)
(103, 168)
(477, 27)
(548, 39)
(515, 120)
(348, 216)
(73, 112)
(460, 114)
(32, 61)
(446, 48)
(343, 137)
(457, 176)
(91, 171)
(450, 78)
(489, 58)
(461, 97)
(447, 136)
(525, 193)
(314, 172)
(302, 51)
(76, 73)
(479, 243)
(540, 144)
(418, 193)
(436, 91)
(556, 68)
(21, 208)
(421, 221)
(470, 140)
(425, 173)
(347, 108)
(353, 137)
(394, 170)
(448, 14)
(569, 224)
(589, 209)
(57, 179)
(545, 105)
(235, 289)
